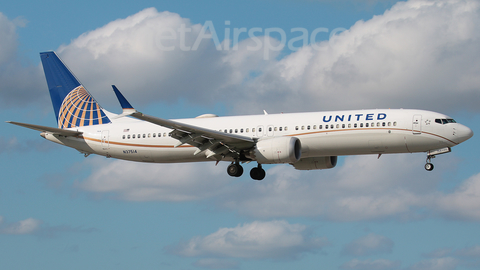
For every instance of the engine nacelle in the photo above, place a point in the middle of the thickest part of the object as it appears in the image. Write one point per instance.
(277, 150)
(316, 163)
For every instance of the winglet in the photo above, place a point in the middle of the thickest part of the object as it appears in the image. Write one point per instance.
(126, 106)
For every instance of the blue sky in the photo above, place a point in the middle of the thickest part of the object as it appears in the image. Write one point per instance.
(59, 210)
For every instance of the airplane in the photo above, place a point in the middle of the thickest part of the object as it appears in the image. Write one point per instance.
(308, 141)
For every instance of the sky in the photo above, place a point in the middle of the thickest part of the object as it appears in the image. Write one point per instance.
(175, 59)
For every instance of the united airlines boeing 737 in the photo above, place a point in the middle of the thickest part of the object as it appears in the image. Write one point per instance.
(308, 141)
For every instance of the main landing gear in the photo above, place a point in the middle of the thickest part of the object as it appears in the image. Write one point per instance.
(236, 170)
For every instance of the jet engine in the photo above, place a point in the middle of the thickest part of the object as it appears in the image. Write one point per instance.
(316, 163)
(277, 150)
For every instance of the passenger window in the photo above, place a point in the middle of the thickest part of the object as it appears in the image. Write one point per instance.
(280, 128)
(326, 126)
(366, 124)
(231, 130)
(338, 125)
(361, 124)
(296, 127)
(246, 130)
(378, 124)
(259, 129)
(308, 127)
(349, 125)
(355, 125)
(275, 129)
(128, 136)
(236, 130)
(149, 135)
(394, 124)
(133, 136)
(270, 129)
(319, 126)
(286, 128)
(164, 134)
(303, 127)
(343, 125)
(389, 123)
(253, 129)
(123, 137)
(154, 135)
(383, 124)
(331, 126)
(241, 130)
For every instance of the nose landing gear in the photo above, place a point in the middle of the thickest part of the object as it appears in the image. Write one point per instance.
(431, 154)
(429, 166)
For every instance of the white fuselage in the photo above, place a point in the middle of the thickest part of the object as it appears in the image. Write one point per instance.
(332, 133)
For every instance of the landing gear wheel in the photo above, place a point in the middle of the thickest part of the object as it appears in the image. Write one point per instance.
(235, 170)
(429, 166)
(257, 173)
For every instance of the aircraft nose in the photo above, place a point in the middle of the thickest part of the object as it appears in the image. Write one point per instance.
(463, 133)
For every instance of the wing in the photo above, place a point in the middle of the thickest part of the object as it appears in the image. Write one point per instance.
(64, 132)
(217, 144)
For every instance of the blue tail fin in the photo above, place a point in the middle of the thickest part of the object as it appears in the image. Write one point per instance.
(73, 105)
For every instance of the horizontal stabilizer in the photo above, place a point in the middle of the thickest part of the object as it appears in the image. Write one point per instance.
(64, 132)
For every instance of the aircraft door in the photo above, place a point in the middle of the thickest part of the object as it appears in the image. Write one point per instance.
(417, 124)
(105, 140)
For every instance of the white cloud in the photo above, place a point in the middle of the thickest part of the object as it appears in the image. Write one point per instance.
(447, 258)
(420, 54)
(37, 227)
(256, 240)
(380, 264)
(17, 83)
(473, 252)
(212, 263)
(364, 188)
(462, 203)
(27, 226)
(446, 263)
(370, 244)
(160, 56)
(145, 182)
(425, 50)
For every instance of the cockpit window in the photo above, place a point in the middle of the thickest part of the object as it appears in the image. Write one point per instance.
(444, 121)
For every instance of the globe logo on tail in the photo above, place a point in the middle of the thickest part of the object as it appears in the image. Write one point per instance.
(80, 109)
